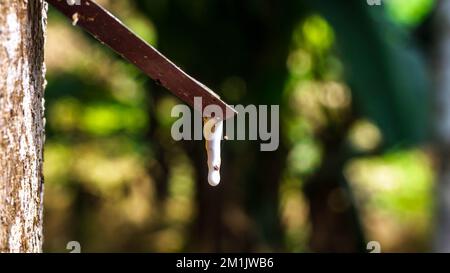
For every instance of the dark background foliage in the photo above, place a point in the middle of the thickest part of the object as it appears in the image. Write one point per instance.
(354, 90)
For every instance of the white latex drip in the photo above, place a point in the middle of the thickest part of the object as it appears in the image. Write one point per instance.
(213, 131)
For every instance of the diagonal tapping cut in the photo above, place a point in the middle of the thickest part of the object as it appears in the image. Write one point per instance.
(106, 28)
(109, 30)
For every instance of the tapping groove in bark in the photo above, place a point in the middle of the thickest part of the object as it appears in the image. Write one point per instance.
(22, 80)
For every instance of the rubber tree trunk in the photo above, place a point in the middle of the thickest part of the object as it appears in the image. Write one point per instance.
(22, 72)
(442, 122)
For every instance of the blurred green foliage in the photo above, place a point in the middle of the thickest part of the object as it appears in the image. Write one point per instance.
(353, 93)
(409, 12)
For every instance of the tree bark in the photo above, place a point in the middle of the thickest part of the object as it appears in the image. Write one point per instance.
(22, 80)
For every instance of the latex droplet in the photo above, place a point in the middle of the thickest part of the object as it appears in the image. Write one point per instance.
(213, 131)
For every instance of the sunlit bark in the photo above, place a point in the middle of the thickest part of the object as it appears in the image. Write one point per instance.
(22, 29)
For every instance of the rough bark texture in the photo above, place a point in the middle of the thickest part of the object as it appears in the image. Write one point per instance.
(22, 70)
(442, 36)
